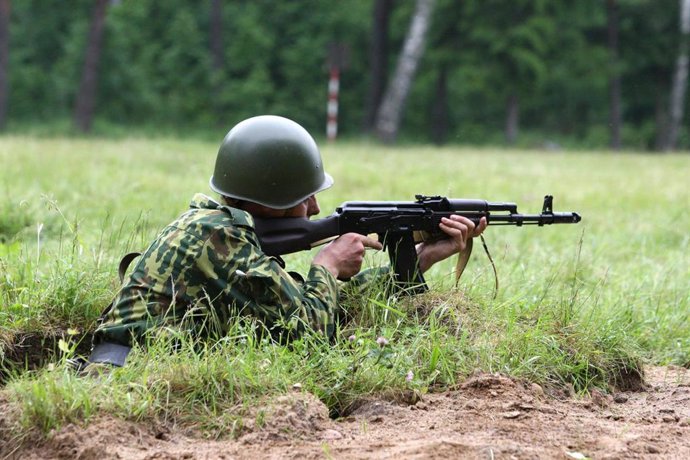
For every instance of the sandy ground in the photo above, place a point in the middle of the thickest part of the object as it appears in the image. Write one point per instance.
(488, 416)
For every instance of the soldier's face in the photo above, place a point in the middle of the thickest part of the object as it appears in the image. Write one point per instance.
(307, 208)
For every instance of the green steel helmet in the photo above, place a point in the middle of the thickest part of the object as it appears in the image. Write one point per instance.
(269, 160)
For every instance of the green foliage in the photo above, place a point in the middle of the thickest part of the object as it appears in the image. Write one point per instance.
(156, 71)
(14, 218)
(45, 297)
(46, 46)
(166, 81)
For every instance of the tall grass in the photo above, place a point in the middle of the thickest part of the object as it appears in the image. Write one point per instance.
(580, 305)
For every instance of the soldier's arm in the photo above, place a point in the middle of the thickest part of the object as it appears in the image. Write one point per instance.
(260, 287)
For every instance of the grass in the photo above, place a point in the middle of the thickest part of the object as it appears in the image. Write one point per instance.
(582, 305)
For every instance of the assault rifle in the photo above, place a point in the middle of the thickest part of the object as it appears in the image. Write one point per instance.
(400, 225)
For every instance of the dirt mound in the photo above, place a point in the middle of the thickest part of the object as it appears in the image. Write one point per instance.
(488, 416)
(95, 441)
(296, 416)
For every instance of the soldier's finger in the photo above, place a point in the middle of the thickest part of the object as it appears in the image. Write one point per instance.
(371, 243)
(469, 223)
(454, 228)
(481, 227)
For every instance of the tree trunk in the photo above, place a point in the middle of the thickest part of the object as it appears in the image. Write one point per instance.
(378, 60)
(217, 59)
(512, 118)
(680, 79)
(5, 8)
(216, 34)
(661, 122)
(390, 112)
(439, 113)
(86, 95)
(615, 118)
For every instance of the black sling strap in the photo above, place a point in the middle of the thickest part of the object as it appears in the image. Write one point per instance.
(124, 264)
(108, 352)
(121, 270)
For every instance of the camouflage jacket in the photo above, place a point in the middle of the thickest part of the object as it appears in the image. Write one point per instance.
(207, 268)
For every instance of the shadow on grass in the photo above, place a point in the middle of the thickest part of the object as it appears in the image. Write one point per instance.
(29, 351)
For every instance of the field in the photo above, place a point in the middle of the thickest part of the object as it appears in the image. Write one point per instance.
(581, 351)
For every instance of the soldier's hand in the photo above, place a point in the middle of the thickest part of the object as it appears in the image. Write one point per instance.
(343, 256)
(459, 230)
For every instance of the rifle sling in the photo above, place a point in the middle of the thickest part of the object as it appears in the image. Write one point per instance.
(464, 257)
(493, 265)
(124, 264)
(121, 269)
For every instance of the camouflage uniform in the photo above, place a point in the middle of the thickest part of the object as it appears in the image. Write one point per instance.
(207, 266)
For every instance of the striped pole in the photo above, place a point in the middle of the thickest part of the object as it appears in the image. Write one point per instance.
(332, 109)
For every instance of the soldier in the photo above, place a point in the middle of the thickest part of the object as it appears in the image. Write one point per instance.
(207, 266)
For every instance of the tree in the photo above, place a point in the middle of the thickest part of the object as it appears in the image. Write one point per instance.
(680, 79)
(86, 95)
(615, 117)
(217, 55)
(649, 48)
(5, 8)
(513, 42)
(378, 60)
(439, 111)
(390, 112)
(216, 34)
(444, 59)
(572, 98)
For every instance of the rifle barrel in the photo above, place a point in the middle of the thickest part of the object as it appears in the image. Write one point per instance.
(534, 219)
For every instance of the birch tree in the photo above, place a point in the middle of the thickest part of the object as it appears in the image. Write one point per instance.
(680, 79)
(393, 103)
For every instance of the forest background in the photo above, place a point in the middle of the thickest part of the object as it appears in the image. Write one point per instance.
(526, 73)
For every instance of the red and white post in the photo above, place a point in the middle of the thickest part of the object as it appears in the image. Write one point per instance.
(332, 108)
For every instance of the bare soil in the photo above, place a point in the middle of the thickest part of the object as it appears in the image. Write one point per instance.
(488, 416)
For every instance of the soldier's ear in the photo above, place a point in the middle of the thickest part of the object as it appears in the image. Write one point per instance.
(235, 203)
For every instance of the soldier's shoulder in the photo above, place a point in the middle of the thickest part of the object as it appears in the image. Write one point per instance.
(204, 209)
